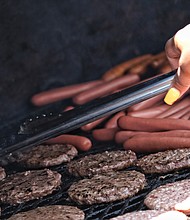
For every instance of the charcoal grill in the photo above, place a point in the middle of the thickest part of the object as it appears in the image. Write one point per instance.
(97, 211)
(48, 44)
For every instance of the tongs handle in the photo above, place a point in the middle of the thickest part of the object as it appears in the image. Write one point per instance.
(33, 134)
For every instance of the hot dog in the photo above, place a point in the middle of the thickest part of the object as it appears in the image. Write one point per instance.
(155, 144)
(65, 92)
(105, 89)
(159, 60)
(172, 133)
(68, 108)
(152, 124)
(149, 112)
(122, 136)
(142, 67)
(120, 69)
(104, 134)
(186, 116)
(147, 103)
(112, 122)
(180, 113)
(175, 108)
(91, 125)
(165, 68)
(80, 142)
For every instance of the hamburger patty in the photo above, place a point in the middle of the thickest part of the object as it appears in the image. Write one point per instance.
(47, 155)
(53, 212)
(101, 163)
(167, 196)
(107, 187)
(166, 161)
(2, 173)
(25, 186)
(151, 215)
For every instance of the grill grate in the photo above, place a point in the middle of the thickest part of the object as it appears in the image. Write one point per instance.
(97, 211)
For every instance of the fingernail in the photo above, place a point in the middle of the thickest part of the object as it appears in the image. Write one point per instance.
(172, 95)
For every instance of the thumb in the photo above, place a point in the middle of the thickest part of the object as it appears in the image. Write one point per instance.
(178, 54)
(181, 81)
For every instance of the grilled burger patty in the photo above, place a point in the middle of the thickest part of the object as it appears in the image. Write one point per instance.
(53, 212)
(107, 187)
(47, 155)
(2, 173)
(167, 196)
(101, 162)
(25, 186)
(166, 161)
(151, 214)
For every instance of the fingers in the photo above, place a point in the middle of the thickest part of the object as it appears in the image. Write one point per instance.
(178, 53)
(172, 53)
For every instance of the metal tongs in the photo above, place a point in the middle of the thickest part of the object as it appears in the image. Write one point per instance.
(34, 132)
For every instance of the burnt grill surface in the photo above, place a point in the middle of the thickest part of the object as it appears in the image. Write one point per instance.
(97, 211)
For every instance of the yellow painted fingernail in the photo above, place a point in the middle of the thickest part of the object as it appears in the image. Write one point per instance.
(172, 95)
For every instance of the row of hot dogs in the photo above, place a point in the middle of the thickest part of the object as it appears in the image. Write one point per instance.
(117, 78)
(145, 127)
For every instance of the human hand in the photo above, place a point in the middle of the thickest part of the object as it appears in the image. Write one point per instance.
(178, 53)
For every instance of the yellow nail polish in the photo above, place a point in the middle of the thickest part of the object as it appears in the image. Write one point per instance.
(172, 95)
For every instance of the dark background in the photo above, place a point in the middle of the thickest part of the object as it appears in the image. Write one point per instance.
(50, 43)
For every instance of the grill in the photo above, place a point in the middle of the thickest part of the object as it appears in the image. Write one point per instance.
(55, 43)
(97, 211)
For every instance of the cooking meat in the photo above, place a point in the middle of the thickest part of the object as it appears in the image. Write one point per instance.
(53, 212)
(166, 161)
(152, 215)
(101, 163)
(166, 197)
(107, 187)
(2, 173)
(25, 186)
(47, 155)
